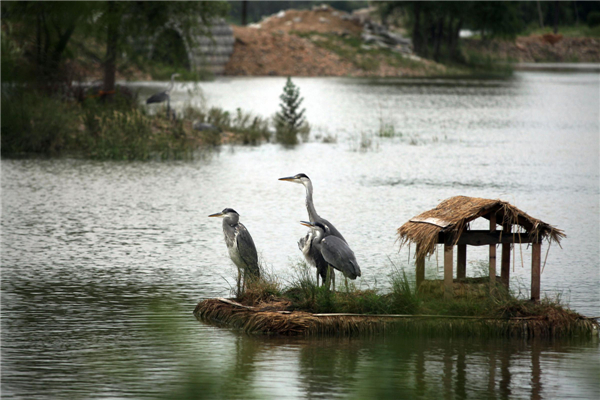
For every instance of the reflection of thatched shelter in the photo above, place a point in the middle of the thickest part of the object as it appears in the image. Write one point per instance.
(448, 224)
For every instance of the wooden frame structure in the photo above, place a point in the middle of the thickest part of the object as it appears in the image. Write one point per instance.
(448, 224)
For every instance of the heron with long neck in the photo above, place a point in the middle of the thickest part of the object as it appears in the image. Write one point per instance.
(334, 251)
(306, 244)
(241, 247)
(165, 95)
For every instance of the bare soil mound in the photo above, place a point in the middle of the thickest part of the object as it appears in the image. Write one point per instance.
(260, 52)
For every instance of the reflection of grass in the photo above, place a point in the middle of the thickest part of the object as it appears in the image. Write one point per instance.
(193, 371)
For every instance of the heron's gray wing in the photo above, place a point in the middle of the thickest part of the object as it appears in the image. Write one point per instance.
(157, 98)
(337, 253)
(319, 261)
(247, 249)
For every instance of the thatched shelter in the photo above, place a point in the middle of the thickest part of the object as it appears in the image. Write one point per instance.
(449, 224)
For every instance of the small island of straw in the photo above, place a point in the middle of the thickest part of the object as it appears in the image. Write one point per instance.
(456, 305)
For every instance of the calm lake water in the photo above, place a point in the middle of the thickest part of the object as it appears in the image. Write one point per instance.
(103, 262)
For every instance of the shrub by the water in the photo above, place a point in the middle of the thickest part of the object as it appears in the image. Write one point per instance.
(593, 19)
(35, 123)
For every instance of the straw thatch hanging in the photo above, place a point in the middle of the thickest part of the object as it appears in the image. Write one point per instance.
(452, 216)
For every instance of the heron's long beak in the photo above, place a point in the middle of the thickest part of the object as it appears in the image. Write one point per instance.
(220, 214)
(288, 178)
(305, 223)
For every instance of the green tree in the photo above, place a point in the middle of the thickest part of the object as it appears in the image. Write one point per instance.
(110, 22)
(435, 25)
(290, 121)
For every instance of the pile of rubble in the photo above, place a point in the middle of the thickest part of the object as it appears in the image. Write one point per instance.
(378, 35)
(273, 46)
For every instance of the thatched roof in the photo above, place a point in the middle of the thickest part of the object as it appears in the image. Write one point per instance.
(453, 215)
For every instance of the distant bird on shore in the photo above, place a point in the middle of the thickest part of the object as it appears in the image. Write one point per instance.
(204, 126)
(241, 247)
(310, 253)
(161, 97)
(334, 250)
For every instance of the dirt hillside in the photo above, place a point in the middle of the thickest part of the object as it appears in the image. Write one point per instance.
(295, 43)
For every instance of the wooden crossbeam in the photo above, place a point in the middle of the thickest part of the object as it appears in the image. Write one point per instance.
(486, 238)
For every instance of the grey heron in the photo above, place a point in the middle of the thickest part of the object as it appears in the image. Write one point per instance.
(334, 250)
(310, 205)
(161, 97)
(204, 126)
(240, 245)
(313, 256)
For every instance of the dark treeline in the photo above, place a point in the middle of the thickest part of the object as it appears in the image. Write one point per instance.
(41, 35)
(256, 10)
(435, 25)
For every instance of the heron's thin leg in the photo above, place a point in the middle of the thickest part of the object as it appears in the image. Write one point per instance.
(332, 277)
(239, 278)
(317, 278)
(346, 281)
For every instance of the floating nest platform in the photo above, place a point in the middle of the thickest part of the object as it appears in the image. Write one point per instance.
(274, 319)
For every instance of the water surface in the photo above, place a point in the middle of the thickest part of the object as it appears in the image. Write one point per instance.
(103, 262)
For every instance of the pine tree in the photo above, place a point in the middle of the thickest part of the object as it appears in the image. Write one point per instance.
(290, 121)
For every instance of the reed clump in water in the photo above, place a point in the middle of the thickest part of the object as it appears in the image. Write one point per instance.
(303, 308)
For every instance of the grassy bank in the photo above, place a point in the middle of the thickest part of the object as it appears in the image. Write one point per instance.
(373, 60)
(118, 129)
(301, 307)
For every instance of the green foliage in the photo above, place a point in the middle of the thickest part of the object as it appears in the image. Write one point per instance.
(33, 123)
(118, 135)
(246, 127)
(435, 25)
(307, 296)
(290, 121)
(44, 31)
(593, 19)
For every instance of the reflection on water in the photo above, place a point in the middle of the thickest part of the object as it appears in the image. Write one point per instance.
(92, 251)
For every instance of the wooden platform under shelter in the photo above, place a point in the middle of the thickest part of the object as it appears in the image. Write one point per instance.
(449, 224)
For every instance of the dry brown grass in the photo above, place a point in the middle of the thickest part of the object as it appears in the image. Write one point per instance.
(457, 212)
(521, 320)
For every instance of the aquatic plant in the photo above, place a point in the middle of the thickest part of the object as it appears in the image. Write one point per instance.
(34, 123)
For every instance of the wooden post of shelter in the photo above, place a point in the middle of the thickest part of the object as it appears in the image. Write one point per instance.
(461, 261)
(420, 273)
(448, 271)
(492, 252)
(505, 269)
(535, 270)
(446, 225)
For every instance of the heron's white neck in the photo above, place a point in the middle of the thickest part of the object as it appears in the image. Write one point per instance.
(310, 205)
(171, 84)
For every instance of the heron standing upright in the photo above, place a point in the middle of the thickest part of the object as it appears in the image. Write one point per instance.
(241, 247)
(314, 257)
(309, 250)
(334, 250)
(161, 97)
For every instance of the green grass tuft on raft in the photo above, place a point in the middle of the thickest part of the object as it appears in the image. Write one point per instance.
(298, 309)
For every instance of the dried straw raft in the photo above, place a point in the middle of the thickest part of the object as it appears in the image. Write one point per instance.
(273, 319)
